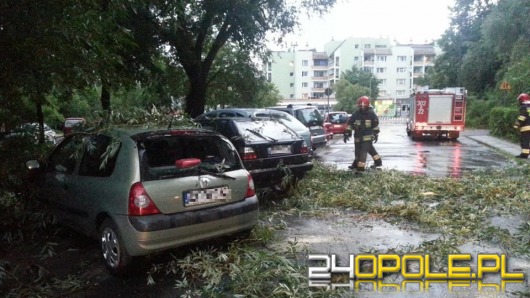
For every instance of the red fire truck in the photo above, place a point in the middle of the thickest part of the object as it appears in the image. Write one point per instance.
(437, 113)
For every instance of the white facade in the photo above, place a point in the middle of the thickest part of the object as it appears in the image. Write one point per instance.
(302, 76)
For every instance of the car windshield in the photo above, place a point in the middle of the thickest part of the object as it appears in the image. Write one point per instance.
(338, 117)
(285, 118)
(159, 154)
(265, 130)
(309, 116)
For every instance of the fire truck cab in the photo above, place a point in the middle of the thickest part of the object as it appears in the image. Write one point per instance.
(437, 113)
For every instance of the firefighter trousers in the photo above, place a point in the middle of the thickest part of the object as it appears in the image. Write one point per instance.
(525, 144)
(362, 149)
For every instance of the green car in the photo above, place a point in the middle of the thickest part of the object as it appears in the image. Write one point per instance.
(141, 191)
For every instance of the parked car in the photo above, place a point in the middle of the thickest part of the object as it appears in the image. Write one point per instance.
(31, 130)
(312, 119)
(141, 191)
(284, 117)
(336, 122)
(274, 154)
(71, 123)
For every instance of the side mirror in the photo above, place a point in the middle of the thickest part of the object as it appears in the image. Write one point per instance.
(32, 165)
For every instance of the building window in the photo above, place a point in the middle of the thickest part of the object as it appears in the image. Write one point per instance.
(318, 85)
(304, 84)
(380, 58)
(337, 59)
(401, 82)
(269, 77)
(291, 74)
(304, 95)
(380, 70)
(304, 73)
(401, 69)
(356, 58)
(402, 58)
(269, 66)
(382, 82)
(401, 93)
(291, 95)
(367, 46)
(367, 69)
(305, 62)
(356, 46)
(291, 85)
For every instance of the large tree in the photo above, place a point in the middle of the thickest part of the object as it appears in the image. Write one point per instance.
(362, 78)
(466, 21)
(55, 46)
(196, 31)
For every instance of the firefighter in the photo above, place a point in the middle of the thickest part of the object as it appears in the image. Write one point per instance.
(522, 124)
(365, 126)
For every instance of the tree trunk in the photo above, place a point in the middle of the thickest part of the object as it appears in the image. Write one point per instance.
(196, 99)
(40, 120)
(105, 97)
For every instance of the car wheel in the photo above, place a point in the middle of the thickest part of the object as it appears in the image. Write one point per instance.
(113, 251)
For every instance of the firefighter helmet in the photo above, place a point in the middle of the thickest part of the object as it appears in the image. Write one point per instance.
(523, 98)
(363, 102)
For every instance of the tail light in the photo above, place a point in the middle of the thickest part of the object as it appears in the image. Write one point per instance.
(139, 201)
(304, 148)
(251, 191)
(249, 153)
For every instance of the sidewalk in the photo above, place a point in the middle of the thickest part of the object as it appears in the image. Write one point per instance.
(501, 145)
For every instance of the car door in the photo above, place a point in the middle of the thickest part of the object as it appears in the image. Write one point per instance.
(58, 177)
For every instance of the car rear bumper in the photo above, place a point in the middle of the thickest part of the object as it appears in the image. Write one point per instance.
(272, 176)
(148, 234)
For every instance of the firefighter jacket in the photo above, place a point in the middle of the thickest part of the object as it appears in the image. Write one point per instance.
(522, 123)
(364, 124)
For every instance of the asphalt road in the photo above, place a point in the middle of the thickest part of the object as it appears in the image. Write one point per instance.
(437, 158)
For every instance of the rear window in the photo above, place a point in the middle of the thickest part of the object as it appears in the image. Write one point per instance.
(159, 154)
(265, 130)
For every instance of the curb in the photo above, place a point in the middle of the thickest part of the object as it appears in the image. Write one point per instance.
(509, 149)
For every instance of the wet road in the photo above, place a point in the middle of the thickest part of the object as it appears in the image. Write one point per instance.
(436, 158)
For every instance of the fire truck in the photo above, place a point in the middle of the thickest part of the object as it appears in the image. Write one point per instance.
(437, 113)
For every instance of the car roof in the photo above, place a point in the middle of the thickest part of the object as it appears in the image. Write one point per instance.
(142, 131)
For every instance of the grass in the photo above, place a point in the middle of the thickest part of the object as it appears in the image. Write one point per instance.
(459, 210)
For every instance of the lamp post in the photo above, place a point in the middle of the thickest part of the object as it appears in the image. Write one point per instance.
(328, 92)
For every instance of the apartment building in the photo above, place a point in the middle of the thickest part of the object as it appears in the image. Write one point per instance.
(303, 75)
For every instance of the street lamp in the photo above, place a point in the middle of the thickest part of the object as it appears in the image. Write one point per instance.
(328, 92)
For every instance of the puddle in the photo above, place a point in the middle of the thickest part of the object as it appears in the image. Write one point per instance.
(343, 234)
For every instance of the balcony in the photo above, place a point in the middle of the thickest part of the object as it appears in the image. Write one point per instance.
(319, 78)
(320, 67)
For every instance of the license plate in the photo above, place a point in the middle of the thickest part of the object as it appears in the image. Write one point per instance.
(280, 149)
(207, 195)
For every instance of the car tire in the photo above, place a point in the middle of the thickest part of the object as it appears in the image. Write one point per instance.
(113, 252)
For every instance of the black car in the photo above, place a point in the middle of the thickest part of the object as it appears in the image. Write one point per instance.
(274, 154)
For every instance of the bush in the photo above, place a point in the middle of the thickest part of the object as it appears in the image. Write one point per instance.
(478, 113)
(501, 122)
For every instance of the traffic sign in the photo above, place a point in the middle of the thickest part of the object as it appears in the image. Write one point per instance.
(505, 86)
(328, 91)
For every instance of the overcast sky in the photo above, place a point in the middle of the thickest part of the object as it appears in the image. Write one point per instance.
(402, 20)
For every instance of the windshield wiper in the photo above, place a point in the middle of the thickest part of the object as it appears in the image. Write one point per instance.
(220, 175)
(262, 136)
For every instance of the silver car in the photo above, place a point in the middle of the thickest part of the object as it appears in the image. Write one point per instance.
(141, 191)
